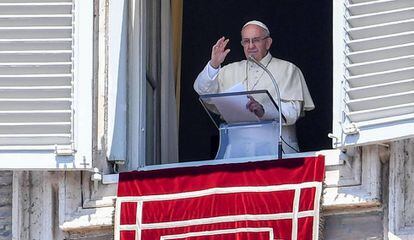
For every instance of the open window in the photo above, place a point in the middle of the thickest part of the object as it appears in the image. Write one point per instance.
(355, 56)
(370, 95)
(150, 24)
(46, 84)
(302, 34)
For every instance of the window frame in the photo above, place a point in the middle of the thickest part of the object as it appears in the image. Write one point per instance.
(137, 64)
(136, 137)
(361, 190)
(338, 31)
(139, 75)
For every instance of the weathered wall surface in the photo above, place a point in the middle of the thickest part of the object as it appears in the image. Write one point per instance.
(367, 225)
(102, 234)
(367, 197)
(6, 178)
(401, 195)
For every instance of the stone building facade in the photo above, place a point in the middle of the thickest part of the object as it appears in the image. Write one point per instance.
(368, 186)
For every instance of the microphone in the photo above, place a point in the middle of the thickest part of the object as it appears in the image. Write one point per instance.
(252, 59)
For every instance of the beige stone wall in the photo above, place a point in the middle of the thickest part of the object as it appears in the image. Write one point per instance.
(6, 205)
(367, 225)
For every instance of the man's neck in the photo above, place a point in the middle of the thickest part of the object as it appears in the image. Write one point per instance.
(264, 60)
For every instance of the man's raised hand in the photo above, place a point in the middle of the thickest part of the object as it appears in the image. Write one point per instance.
(219, 52)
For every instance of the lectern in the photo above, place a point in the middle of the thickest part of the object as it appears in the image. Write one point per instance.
(242, 133)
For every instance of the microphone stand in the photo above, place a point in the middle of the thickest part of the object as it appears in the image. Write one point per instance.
(250, 58)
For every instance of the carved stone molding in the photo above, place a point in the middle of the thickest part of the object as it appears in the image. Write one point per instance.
(356, 183)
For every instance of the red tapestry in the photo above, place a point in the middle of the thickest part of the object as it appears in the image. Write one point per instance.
(265, 200)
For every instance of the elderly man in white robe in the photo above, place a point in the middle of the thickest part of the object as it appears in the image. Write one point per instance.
(256, 42)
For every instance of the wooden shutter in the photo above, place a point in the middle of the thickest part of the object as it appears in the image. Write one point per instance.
(374, 69)
(117, 80)
(38, 48)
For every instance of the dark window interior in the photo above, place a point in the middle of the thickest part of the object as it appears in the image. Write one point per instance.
(302, 34)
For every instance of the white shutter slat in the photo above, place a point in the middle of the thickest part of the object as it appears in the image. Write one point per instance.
(382, 53)
(36, 56)
(35, 104)
(35, 80)
(388, 122)
(378, 6)
(381, 101)
(14, 140)
(381, 17)
(36, 8)
(382, 29)
(381, 65)
(381, 41)
(355, 1)
(380, 77)
(35, 128)
(380, 89)
(36, 32)
(367, 115)
(35, 44)
(35, 64)
(35, 92)
(33, 20)
(31, 68)
(34, 1)
(34, 116)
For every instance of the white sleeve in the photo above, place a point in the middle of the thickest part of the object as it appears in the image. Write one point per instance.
(206, 82)
(290, 109)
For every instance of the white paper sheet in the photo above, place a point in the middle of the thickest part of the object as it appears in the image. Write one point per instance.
(233, 108)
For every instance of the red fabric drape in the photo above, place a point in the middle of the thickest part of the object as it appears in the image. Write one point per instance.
(250, 201)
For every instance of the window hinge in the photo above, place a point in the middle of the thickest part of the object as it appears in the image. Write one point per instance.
(96, 177)
(350, 129)
(65, 150)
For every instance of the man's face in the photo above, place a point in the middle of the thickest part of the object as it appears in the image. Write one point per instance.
(255, 42)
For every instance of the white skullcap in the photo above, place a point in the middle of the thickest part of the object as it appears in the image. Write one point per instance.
(257, 23)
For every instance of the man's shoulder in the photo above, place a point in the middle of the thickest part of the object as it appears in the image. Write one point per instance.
(283, 62)
(284, 65)
(234, 65)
